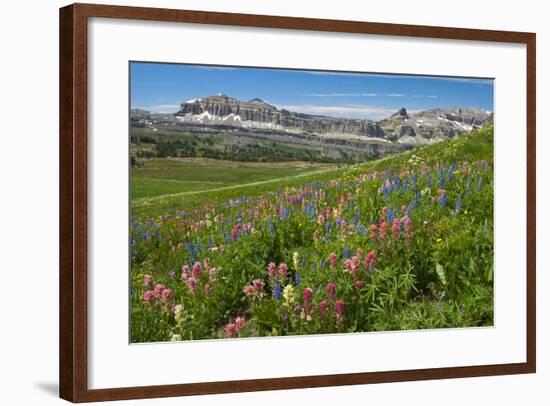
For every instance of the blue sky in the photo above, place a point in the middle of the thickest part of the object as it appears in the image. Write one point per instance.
(163, 87)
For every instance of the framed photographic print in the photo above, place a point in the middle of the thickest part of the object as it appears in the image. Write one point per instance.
(274, 202)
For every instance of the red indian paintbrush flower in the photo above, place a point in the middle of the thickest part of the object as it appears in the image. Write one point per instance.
(307, 295)
(323, 305)
(197, 270)
(147, 280)
(230, 330)
(383, 230)
(409, 230)
(339, 310)
(331, 290)
(239, 323)
(373, 231)
(185, 272)
(332, 259)
(370, 261)
(272, 271)
(396, 228)
(283, 270)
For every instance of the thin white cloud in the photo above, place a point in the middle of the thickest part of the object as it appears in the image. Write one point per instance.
(470, 80)
(483, 81)
(425, 96)
(214, 67)
(321, 72)
(348, 111)
(160, 108)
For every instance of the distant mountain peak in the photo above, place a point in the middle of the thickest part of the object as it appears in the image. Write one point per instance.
(416, 127)
(401, 113)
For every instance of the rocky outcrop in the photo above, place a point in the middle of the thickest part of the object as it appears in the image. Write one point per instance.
(400, 114)
(433, 125)
(403, 127)
(256, 113)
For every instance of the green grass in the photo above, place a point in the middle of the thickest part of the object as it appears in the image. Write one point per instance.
(162, 185)
(435, 270)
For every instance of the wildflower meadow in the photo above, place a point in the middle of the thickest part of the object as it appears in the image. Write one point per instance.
(401, 243)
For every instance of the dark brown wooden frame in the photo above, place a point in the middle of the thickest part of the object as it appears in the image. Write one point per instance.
(73, 332)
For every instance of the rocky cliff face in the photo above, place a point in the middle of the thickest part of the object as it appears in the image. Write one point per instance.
(433, 125)
(403, 127)
(256, 113)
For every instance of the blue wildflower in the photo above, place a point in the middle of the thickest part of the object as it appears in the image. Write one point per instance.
(443, 199)
(297, 279)
(277, 290)
(345, 254)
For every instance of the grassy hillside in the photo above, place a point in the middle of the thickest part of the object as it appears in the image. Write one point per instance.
(404, 242)
(158, 177)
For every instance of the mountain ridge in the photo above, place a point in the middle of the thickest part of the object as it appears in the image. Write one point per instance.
(409, 128)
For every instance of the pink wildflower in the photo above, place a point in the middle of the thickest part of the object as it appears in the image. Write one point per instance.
(331, 290)
(283, 270)
(185, 272)
(158, 289)
(383, 230)
(236, 231)
(307, 295)
(373, 231)
(332, 259)
(147, 280)
(239, 323)
(323, 305)
(409, 230)
(258, 284)
(339, 310)
(358, 283)
(352, 265)
(370, 261)
(207, 288)
(230, 330)
(148, 297)
(396, 229)
(166, 293)
(255, 289)
(192, 284)
(342, 199)
(272, 271)
(197, 270)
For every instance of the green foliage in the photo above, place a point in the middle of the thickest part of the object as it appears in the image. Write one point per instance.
(406, 240)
